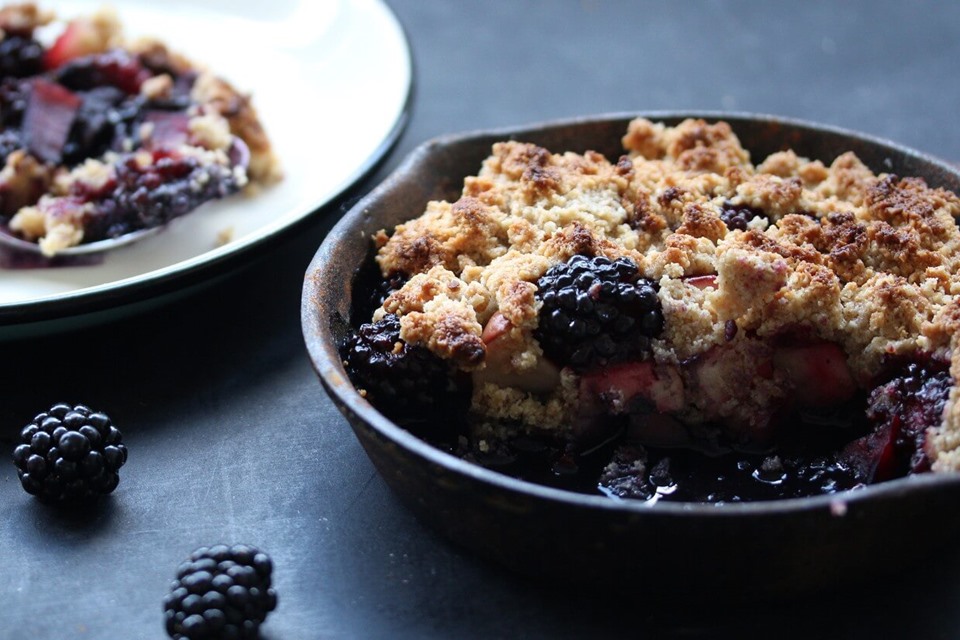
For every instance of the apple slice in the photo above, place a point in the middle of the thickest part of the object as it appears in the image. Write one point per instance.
(541, 378)
(51, 110)
(702, 282)
(619, 386)
(872, 458)
(817, 373)
(80, 38)
(169, 129)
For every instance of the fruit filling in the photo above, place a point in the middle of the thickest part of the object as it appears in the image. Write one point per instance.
(100, 137)
(679, 324)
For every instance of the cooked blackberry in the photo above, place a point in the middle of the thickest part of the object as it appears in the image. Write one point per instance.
(13, 102)
(220, 592)
(20, 57)
(145, 197)
(105, 119)
(597, 311)
(69, 453)
(384, 288)
(169, 188)
(902, 411)
(737, 216)
(373, 289)
(115, 68)
(404, 381)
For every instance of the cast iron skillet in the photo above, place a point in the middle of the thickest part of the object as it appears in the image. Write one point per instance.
(769, 549)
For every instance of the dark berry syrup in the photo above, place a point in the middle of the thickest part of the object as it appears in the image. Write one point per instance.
(874, 437)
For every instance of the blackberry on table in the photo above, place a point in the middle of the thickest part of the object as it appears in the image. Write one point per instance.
(737, 216)
(220, 592)
(69, 453)
(402, 380)
(596, 311)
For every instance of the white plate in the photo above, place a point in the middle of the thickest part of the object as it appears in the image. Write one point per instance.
(331, 82)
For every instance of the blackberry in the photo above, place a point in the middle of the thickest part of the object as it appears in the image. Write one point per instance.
(371, 288)
(393, 282)
(150, 196)
(14, 95)
(403, 381)
(105, 118)
(736, 216)
(69, 453)
(597, 311)
(169, 188)
(115, 68)
(220, 592)
(902, 411)
(20, 57)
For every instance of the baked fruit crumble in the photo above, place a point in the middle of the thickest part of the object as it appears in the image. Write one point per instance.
(100, 136)
(674, 324)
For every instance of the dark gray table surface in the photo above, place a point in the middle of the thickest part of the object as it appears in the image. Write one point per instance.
(232, 439)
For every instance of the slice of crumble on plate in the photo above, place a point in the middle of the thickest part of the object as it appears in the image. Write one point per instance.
(101, 136)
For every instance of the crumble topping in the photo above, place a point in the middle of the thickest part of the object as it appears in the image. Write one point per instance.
(742, 254)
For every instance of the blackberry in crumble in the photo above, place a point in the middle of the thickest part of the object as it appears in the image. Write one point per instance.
(404, 381)
(902, 410)
(372, 288)
(115, 68)
(106, 117)
(596, 311)
(13, 102)
(20, 57)
(69, 453)
(738, 216)
(170, 186)
(220, 592)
